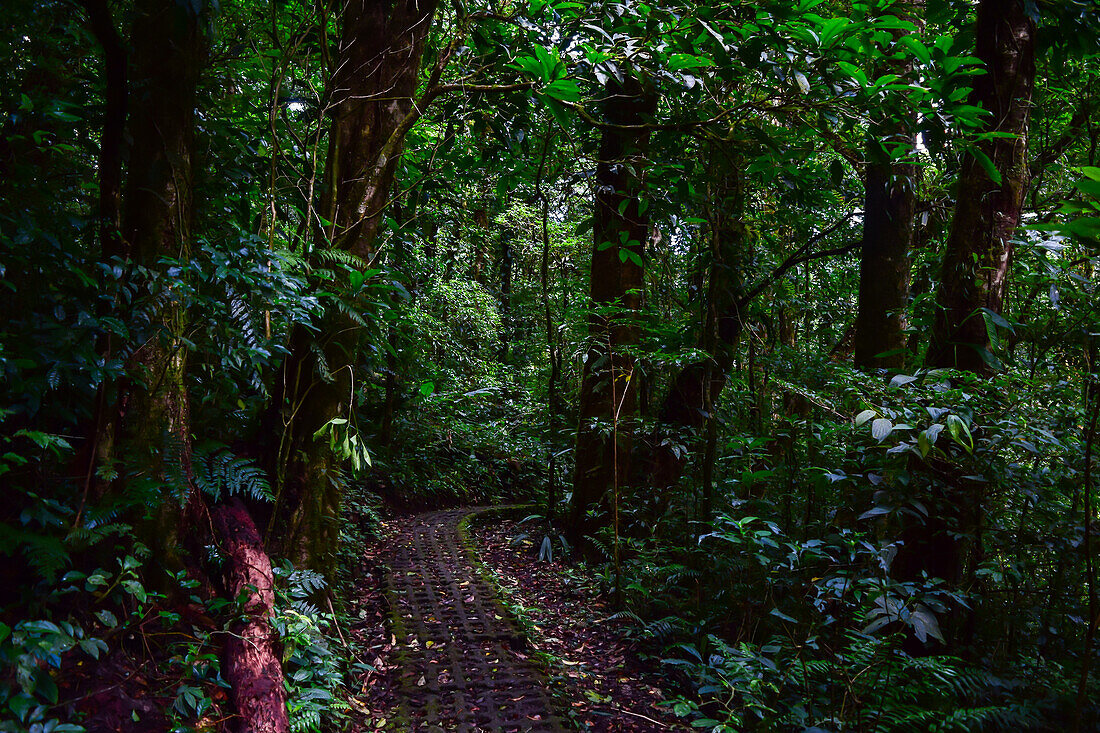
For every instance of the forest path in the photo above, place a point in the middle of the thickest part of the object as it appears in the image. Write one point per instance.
(461, 660)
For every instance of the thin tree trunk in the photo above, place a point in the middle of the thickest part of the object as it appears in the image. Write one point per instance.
(100, 438)
(979, 248)
(553, 409)
(506, 263)
(1090, 565)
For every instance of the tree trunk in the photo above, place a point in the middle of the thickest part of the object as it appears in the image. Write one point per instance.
(168, 53)
(979, 248)
(553, 347)
(378, 65)
(608, 392)
(506, 263)
(889, 207)
(377, 69)
(100, 438)
(880, 340)
(109, 162)
(688, 406)
(974, 277)
(251, 659)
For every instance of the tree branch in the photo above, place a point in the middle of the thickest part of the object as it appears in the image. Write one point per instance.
(799, 256)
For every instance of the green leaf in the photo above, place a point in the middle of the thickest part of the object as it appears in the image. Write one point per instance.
(546, 63)
(529, 65)
(20, 705)
(924, 625)
(565, 90)
(890, 23)
(1087, 226)
(917, 48)
(999, 320)
(832, 30)
(107, 618)
(836, 171)
(853, 71)
(1090, 187)
(878, 511)
(864, 416)
(802, 81)
(881, 428)
(560, 112)
(679, 61)
(987, 164)
(960, 432)
(924, 444)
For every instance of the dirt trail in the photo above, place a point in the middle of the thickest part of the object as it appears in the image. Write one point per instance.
(462, 662)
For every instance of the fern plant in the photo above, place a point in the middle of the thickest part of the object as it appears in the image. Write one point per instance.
(219, 472)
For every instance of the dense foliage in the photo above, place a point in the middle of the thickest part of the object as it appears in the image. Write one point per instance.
(784, 314)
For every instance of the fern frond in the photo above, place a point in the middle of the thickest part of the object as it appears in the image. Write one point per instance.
(220, 472)
(340, 257)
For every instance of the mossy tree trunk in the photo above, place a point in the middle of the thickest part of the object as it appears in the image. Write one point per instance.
(153, 421)
(372, 90)
(987, 212)
(974, 279)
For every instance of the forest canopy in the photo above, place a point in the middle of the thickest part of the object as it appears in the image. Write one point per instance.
(779, 318)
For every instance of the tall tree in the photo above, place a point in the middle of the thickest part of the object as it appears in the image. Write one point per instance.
(689, 404)
(888, 213)
(608, 396)
(372, 94)
(169, 50)
(991, 188)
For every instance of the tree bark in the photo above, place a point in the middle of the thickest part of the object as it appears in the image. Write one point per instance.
(608, 395)
(377, 68)
(99, 434)
(979, 247)
(109, 161)
(689, 404)
(507, 257)
(553, 347)
(889, 206)
(251, 659)
(169, 50)
(880, 340)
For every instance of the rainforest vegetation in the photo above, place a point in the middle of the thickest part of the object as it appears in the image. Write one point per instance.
(779, 317)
